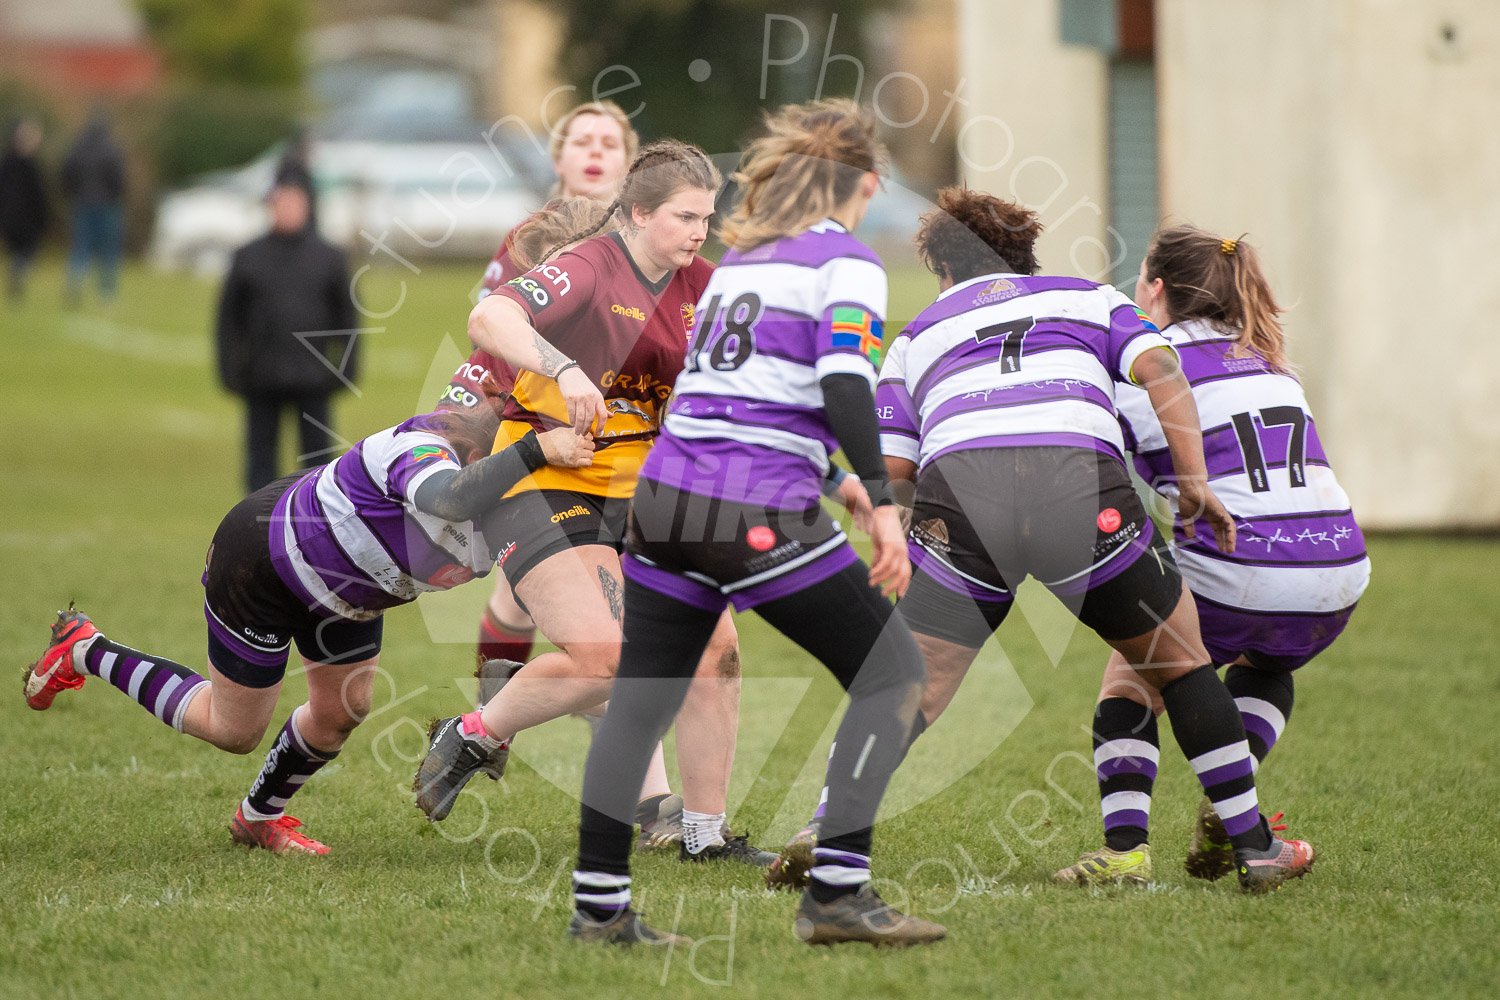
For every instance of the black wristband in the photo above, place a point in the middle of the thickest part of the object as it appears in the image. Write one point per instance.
(558, 374)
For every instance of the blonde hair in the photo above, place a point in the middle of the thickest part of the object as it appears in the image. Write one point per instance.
(1220, 280)
(606, 109)
(550, 229)
(808, 164)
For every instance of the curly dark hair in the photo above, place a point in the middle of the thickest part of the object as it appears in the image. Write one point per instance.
(973, 233)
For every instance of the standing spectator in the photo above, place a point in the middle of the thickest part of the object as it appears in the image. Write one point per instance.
(93, 178)
(286, 330)
(23, 202)
(298, 158)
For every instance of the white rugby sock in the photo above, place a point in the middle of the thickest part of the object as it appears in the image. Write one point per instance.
(702, 830)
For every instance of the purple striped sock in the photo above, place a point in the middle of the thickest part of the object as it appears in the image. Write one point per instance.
(160, 686)
(289, 764)
(600, 896)
(1126, 754)
(1212, 736)
(836, 873)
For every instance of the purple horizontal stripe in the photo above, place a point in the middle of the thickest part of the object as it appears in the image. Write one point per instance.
(1202, 366)
(1116, 766)
(1243, 823)
(793, 340)
(680, 588)
(1257, 726)
(806, 249)
(1071, 335)
(159, 678)
(1227, 772)
(732, 470)
(1231, 632)
(846, 858)
(1126, 817)
(241, 648)
(1280, 549)
(168, 711)
(800, 578)
(944, 576)
(974, 296)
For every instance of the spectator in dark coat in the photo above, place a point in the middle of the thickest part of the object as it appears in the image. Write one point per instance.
(93, 178)
(23, 202)
(287, 331)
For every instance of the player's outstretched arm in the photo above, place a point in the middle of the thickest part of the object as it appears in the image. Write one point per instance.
(459, 495)
(1160, 372)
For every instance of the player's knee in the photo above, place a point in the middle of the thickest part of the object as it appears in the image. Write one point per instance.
(238, 742)
(596, 661)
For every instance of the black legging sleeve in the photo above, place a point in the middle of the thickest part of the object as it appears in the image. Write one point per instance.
(851, 410)
(465, 494)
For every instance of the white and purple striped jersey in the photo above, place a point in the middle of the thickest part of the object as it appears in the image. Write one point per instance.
(1299, 548)
(747, 421)
(1007, 360)
(347, 538)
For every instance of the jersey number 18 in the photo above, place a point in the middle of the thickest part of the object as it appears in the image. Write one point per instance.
(729, 346)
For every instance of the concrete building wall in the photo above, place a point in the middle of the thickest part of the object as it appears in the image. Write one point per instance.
(1357, 142)
(1033, 126)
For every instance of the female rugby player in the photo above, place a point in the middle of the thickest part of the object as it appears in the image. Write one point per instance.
(779, 374)
(1299, 567)
(621, 306)
(315, 559)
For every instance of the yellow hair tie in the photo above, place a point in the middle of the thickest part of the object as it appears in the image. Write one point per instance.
(1228, 246)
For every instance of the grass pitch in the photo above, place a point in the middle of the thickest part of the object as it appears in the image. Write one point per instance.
(119, 878)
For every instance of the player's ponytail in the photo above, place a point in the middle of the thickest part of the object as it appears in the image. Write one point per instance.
(554, 226)
(1220, 280)
(808, 164)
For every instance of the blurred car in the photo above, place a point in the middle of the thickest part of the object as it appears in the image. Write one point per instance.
(415, 199)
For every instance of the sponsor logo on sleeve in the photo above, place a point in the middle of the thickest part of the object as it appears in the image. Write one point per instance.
(532, 289)
(557, 277)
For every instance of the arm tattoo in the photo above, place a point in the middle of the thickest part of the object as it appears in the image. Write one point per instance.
(552, 358)
(612, 594)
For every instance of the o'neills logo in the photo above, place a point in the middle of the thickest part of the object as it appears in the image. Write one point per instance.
(572, 511)
(629, 311)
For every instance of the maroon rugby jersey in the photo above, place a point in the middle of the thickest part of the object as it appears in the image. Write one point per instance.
(627, 334)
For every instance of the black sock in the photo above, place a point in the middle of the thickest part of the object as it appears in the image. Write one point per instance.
(1126, 753)
(1209, 731)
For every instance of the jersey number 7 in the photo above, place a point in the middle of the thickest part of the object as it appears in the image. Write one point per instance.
(1010, 334)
